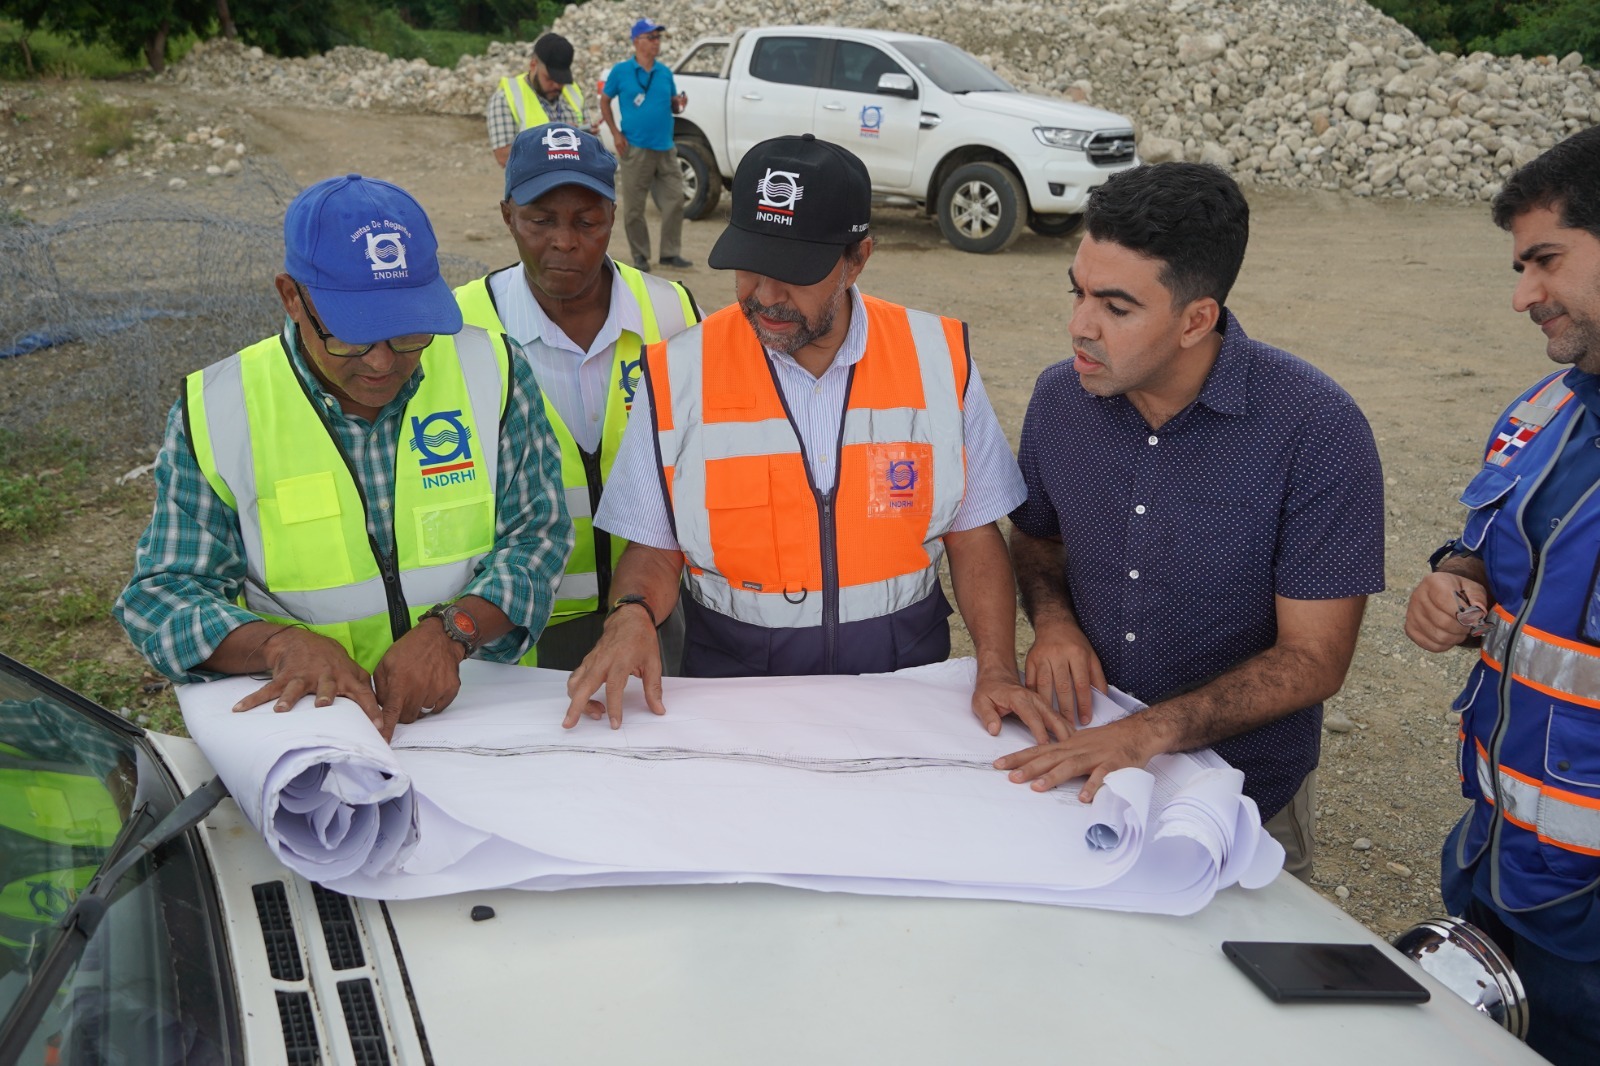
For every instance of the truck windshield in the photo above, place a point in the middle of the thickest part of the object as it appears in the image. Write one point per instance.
(147, 987)
(951, 69)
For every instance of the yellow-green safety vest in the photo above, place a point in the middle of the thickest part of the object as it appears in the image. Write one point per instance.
(56, 824)
(527, 106)
(270, 456)
(665, 310)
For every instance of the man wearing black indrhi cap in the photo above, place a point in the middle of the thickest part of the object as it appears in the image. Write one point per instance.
(802, 460)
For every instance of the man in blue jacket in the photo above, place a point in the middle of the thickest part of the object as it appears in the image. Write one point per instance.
(1520, 584)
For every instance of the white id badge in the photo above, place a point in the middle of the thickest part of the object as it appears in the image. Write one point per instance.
(638, 101)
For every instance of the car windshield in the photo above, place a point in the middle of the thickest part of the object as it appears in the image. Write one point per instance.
(76, 786)
(951, 69)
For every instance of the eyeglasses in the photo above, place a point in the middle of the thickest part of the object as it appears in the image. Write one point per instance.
(656, 36)
(411, 342)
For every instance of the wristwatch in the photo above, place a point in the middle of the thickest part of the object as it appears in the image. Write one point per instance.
(458, 624)
(634, 597)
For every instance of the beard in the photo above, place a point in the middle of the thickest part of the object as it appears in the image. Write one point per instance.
(809, 331)
(1578, 345)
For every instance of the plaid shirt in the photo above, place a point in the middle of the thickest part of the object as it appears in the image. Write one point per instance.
(503, 124)
(189, 567)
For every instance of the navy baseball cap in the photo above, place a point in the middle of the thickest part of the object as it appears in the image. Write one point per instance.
(797, 203)
(644, 26)
(365, 251)
(556, 154)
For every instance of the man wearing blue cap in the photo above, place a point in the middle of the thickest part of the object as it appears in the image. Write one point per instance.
(582, 320)
(648, 98)
(357, 504)
(797, 466)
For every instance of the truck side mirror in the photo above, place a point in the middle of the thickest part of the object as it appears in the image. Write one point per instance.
(897, 85)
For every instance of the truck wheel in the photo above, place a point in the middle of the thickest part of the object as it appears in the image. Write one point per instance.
(981, 207)
(702, 185)
(1055, 225)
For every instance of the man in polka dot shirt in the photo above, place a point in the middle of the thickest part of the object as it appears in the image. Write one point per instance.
(1204, 518)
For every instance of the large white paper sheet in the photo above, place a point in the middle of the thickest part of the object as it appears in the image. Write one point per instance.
(880, 784)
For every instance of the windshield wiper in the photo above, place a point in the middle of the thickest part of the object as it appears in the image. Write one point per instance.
(78, 925)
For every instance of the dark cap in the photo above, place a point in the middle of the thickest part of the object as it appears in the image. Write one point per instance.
(555, 52)
(797, 203)
(556, 154)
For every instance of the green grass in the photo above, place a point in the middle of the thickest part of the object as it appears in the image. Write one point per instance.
(107, 127)
(58, 56)
(40, 479)
(443, 48)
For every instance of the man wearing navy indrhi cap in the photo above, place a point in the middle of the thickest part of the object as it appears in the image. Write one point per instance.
(357, 504)
(802, 460)
(582, 321)
(648, 98)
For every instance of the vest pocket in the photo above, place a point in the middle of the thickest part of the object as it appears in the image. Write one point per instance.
(1569, 801)
(455, 531)
(739, 512)
(303, 534)
(1482, 495)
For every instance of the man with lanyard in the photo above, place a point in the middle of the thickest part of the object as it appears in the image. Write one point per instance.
(546, 93)
(802, 460)
(1520, 583)
(1204, 518)
(359, 503)
(648, 98)
(582, 320)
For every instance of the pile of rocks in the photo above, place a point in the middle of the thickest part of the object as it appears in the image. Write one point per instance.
(1300, 93)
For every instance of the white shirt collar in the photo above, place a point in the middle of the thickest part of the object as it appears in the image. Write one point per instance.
(851, 349)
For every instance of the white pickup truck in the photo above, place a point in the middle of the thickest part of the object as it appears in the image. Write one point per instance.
(934, 126)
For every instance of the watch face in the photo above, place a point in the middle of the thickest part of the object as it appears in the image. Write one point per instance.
(464, 622)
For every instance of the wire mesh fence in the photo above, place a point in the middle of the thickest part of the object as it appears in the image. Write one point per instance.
(103, 313)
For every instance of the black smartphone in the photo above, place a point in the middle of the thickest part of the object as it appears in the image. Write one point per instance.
(1297, 973)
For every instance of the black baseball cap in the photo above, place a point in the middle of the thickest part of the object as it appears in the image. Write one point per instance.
(797, 202)
(555, 52)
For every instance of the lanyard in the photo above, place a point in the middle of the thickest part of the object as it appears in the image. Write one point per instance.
(644, 83)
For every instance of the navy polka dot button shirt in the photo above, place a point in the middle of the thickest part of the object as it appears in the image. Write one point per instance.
(1177, 539)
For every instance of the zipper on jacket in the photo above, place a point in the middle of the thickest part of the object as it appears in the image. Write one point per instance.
(602, 539)
(828, 528)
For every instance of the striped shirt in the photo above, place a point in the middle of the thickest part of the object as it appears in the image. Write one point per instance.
(189, 567)
(503, 124)
(574, 381)
(632, 507)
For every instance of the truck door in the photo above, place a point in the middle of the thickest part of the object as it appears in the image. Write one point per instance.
(879, 127)
(777, 93)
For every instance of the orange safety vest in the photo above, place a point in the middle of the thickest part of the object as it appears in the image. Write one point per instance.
(765, 549)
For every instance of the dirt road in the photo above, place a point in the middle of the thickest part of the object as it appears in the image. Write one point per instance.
(1405, 304)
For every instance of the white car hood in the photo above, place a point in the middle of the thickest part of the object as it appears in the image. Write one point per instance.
(1045, 110)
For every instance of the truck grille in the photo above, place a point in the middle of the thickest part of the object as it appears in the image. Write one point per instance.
(1109, 148)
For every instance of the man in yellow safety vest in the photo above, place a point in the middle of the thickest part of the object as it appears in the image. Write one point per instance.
(546, 93)
(360, 502)
(582, 320)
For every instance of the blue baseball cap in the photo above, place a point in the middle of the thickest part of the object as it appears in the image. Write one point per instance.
(644, 26)
(556, 154)
(365, 251)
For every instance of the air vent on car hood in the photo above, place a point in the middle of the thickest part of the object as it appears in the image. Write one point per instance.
(339, 929)
(277, 932)
(367, 1041)
(299, 1029)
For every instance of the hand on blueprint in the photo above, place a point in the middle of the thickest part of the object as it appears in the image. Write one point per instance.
(1061, 664)
(419, 675)
(627, 648)
(303, 664)
(998, 694)
(1092, 752)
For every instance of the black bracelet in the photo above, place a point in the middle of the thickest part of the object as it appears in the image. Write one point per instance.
(634, 597)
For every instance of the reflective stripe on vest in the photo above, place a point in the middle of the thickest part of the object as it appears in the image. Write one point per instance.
(302, 516)
(527, 107)
(1527, 419)
(1558, 817)
(665, 310)
(744, 512)
(1557, 666)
